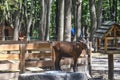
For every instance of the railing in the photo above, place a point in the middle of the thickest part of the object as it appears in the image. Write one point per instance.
(38, 53)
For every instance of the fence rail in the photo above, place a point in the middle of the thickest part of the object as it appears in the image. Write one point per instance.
(28, 53)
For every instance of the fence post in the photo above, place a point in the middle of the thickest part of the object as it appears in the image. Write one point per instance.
(110, 66)
(22, 48)
(53, 56)
(89, 58)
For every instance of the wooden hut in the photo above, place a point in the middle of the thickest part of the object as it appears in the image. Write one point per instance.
(107, 36)
(8, 32)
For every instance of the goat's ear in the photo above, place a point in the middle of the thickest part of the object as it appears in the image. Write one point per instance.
(82, 40)
(52, 43)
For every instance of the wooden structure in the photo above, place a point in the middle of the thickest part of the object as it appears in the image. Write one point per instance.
(108, 36)
(22, 56)
(8, 32)
(29, 54)
(108, 41)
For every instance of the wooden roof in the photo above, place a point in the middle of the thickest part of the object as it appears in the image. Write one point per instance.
(105, 28)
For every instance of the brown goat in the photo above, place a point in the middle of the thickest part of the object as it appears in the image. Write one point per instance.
(68, 49)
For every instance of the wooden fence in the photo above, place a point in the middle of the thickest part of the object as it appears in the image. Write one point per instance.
(29, 54)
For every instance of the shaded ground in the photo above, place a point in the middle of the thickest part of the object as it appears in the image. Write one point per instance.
(100, 65)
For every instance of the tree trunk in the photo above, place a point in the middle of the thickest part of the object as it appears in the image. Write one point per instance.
(78, 19)
(17, 24)
(29, 22)
(74, 14)
(17, 27)
(114, 10)
(42, 17)
(61, 20)
(48, 19)
(67, 33)
(3, 31)
(56, 19)
(93, 18)
(99, 13)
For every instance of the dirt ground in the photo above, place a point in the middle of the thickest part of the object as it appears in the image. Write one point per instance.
(100, 65)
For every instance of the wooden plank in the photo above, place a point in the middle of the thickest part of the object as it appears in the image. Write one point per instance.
(113, 52)
(101, 31)
(30, 56)
(9, 76)
(34, 69)
(12, 42)
(109, 31)
(9, 47)
(9, 56)
(106, 43)
(41, 63)
(104, 27)
(112, 38)
(22, 58)
(9, 71)
(38, 46)
(9, 66)
(118, 29)
(38, 55)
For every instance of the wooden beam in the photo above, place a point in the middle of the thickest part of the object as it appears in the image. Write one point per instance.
(106, 44)
(89, 58)
(30, 56)
(22, 58)
(112, 38)
(109, 31)
(9, 47)
(110, 66)
(41, 63)
(115, 36)
(9, 56)
(38, 46)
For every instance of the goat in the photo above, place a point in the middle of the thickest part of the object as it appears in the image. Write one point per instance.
(67, 49)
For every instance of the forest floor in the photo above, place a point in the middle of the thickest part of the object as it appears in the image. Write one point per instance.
(100, 65)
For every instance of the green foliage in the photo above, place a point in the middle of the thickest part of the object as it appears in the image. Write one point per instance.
(85, 13)
(8, 9)
(52, 21)
(35, 34)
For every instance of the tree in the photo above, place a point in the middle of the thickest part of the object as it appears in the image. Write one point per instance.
(78, 18)
(99, 13)
(17, 23)
(67, 23)
(61, 20)
(48, 4)
(29, 15)
(44, 24)
(93, 18)
(42, 17)
(29, 19)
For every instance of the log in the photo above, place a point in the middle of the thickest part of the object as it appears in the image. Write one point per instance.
(53, 75)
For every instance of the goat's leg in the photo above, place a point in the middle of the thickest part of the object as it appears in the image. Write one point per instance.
(75, 65)
(57, 63)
